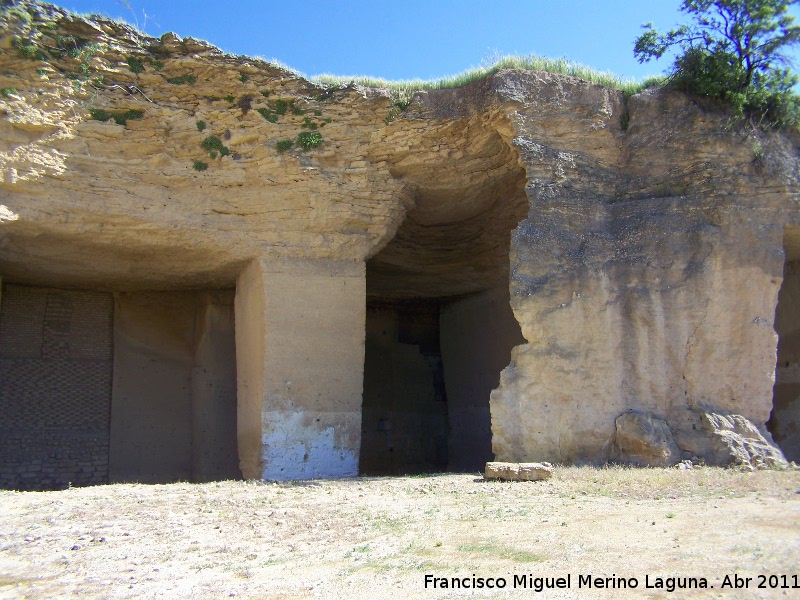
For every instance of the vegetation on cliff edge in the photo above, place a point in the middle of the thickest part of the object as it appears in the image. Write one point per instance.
(731, 55)
(529, 62)
(734, 53)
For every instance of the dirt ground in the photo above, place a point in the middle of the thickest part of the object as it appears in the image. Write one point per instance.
(380, 537)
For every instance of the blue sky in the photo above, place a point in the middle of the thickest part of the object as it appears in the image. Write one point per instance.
(406, 39)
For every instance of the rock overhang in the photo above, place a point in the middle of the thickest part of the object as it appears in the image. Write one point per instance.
(89, 190)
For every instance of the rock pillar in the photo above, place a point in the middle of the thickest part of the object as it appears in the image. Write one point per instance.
(672, 321)
(300, 358)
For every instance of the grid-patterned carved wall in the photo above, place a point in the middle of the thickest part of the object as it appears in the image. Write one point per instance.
(55, 387)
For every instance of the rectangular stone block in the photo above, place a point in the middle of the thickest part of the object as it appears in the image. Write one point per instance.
(518, 471)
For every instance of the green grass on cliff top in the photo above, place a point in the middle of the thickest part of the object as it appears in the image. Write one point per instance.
(525, 63)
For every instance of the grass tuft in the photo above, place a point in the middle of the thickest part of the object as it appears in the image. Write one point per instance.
(201, 125)
(281, 106)
(27, 49)
(21, 15)
(213, 145)
(625, 120)
(123, 118)
(135, 65)
(309, 139)
(284, 145)
(526, 63)
(502, 551)
(268, 114)
(212, 142)
(99, 114)
(7, 92)
(190, 79)
(199, 165)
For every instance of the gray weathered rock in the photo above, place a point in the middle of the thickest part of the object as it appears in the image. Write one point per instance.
(726, 439)
(644, 440)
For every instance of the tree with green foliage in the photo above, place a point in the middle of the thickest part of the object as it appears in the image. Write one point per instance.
(735, 52)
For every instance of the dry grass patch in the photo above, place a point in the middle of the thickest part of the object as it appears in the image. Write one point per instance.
(378, 537)
(619, 482)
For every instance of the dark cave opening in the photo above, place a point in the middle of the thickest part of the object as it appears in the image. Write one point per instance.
(439, 326)
(784, 422)
(431, 364)
(404, 414)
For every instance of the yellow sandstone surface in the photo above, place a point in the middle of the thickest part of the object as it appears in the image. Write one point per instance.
(643, 239)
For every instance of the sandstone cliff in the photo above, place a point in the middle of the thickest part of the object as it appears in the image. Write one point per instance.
(649, 240)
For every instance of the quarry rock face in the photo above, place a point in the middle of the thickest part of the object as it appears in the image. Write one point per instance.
(645, 277)
(640, 242)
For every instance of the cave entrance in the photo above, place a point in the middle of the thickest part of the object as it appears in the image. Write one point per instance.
(173, 400)
(430, 366)
(404, 415)
(99, 387)
(784, 422)
(439, 327)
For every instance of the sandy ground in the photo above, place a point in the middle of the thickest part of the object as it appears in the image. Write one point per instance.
(380, 537)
